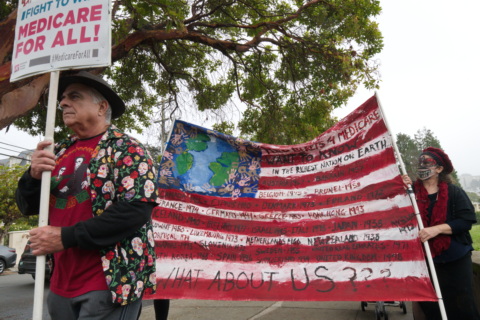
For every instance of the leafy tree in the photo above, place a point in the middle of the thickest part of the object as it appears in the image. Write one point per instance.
(9, 212)
(6, 7)
(411, 148)
(425, 138)
(289, 62)
(225, 127)
(409, 152)
(474, 197)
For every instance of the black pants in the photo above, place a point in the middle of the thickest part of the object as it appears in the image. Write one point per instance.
(161, 307)
(456, 285)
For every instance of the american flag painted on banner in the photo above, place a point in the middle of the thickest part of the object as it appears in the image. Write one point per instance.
(324, 220)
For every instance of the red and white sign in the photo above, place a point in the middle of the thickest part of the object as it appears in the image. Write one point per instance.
(325, 220)
(60, 34)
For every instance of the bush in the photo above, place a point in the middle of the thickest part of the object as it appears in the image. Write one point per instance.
(24, 223)
(475, 233)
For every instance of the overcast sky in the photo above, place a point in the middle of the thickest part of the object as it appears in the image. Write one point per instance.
(430, 76)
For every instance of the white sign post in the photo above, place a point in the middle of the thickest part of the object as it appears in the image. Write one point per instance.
(44, 197)
(54, 35)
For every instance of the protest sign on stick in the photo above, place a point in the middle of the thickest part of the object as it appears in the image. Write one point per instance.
(325, 220)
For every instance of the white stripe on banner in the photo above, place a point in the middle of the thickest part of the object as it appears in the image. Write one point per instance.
(332, 188)
(338, 271)
(399, 201)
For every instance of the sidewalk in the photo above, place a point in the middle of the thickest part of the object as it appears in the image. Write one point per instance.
(271, 310)
(280, 310)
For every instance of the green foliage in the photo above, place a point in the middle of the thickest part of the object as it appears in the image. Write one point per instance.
(410, 152)
(475, 233)
(6, 7)
(9, 212)
(289, 62)
(34, 122)
(24, 223)
(474, 197)
(225, 127)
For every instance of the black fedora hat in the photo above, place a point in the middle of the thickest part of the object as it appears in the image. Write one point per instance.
(91, 80)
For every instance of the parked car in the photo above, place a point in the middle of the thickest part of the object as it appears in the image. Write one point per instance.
(28, 263)
(8, 258)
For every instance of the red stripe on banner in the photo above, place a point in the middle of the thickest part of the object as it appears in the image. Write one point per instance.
(401, 218)
(247, 207)
(350, 171)
(318, 288)
(278, 255)
(381, 190)
(361, 145)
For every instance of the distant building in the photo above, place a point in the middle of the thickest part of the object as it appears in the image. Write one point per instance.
(23, 158)
(477, 206)
(470, 183)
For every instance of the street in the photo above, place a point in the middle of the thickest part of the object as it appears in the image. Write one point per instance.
(16, 292)
(17, 296)
(16, 303)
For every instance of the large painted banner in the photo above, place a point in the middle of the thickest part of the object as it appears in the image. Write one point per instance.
(60, 34)
(324, 220)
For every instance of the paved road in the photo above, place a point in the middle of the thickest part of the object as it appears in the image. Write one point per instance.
(271, 310)
(16, 303)
(16, 292)
(16, 297)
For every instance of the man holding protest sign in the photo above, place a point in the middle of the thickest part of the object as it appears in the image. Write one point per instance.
(100, 230)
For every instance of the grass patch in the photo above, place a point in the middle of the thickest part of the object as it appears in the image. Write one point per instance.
(475, 233)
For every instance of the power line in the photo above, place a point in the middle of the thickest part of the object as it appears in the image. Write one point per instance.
(10, 149)
(3, 154)
(11, 145)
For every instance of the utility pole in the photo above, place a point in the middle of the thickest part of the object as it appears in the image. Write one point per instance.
(163, 133)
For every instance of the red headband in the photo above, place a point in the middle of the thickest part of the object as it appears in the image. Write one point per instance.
(440, 157)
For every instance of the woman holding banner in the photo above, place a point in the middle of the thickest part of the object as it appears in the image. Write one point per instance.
(447, 214)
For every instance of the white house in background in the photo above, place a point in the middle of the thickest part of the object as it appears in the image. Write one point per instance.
(477, 206)
(23, 158)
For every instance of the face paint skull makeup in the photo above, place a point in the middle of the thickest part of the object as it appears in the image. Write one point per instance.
(426, 162)
(426, 167)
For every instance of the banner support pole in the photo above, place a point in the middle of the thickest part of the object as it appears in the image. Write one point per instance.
(164, 145)
(44, 196)
(411, 194)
